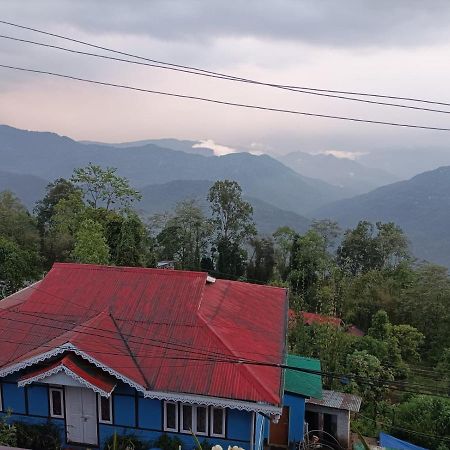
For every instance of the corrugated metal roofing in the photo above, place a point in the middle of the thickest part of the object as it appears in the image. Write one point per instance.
(338, 400)
(303, 383)
(165, 330)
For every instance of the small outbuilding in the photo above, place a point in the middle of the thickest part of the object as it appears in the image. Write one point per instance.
(329, 417)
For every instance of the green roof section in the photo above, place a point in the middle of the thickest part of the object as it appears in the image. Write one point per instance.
(303, 383)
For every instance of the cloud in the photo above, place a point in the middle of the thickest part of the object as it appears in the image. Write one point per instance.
(351, 23)
(342, 154)
(219, 150)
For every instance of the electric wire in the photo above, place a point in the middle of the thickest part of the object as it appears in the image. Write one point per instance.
(219, 74)
(153, 65)
(224, 102)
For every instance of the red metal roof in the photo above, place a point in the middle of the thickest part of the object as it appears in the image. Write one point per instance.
(166, 331)
(77, 367)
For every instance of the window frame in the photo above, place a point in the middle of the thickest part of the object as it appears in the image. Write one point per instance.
(166, 428)
(61, 392)
(99, 407)
(181, 427)
(201, 433)
(224, 421)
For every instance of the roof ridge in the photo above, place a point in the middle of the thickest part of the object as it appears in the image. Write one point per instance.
(241, 366)
(105, 268)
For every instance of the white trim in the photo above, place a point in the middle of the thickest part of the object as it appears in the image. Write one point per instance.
(69, 373)
(166, 428)
(264, 408)
(99, 403)
(61, 393)
(212, 434)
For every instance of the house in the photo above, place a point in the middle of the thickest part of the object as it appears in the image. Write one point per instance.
(319, 319)
(299, 385)
(98, 350)
(329, 417)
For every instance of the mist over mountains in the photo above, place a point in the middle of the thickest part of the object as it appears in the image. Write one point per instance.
(290, 190)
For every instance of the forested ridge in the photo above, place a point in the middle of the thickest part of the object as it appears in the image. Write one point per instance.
(365, 276)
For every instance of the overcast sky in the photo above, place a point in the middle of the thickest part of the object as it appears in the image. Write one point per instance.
(394, 47)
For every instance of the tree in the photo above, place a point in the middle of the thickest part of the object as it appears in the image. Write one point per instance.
(309, 267)
(261, 264)
(381, 327)
(45, 208)
(369, 247)
(17, 266)
(185, 236)
(328, 229)
(410, 340)
(16, 223)
(233, 225)
(132, 248)
(428, 416)
(103, 187)
(283, 240)
(90, 244)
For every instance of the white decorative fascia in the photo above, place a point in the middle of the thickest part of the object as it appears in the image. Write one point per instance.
(263, 408)
(218, 402)
(34, 360)
(70, 374)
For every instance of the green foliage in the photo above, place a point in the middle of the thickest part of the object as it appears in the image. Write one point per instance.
(125, 442)
(233, 225)
(132, 245)
(380, 328)
(39, 436)
(103, 187)
(261, 264)
(8, 432)
(409, 340)
(165, 442)
(90, 244)
(370, 247)
(283, 240)
(427, 417)
(185, 236)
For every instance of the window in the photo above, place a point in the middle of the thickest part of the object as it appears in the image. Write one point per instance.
(170, 416)
(186, 418)
(56, 402)
(194, 418)
(201, 422)
(217, 422)
(104, 409)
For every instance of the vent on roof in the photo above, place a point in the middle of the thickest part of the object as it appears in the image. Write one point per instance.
(210, 279)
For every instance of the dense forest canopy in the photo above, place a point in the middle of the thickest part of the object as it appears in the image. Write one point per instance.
(399, 362)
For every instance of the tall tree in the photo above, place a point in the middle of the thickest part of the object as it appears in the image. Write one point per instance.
(284, 238)
(103, 187)
(262, 261)
(233, 223)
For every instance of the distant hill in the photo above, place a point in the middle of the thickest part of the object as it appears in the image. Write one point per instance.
(421, 206)
(346, 173)
(49, 156)
(172, 144)
(164, 197)
(28, 188)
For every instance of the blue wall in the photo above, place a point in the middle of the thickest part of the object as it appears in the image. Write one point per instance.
(296, 406)
(132, 414)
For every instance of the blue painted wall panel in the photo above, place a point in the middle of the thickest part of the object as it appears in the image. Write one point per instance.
(296, 406)
(13, 398)
(239, 425)
(150, 413)
(38, 400)
(124, 410)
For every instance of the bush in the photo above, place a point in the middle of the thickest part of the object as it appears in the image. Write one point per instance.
(167, 443)
(38, 437)
(125, 442)
(8, 433)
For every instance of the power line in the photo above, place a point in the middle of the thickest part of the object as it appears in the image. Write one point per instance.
(219, 74)
(234, 360)
(224, 102)
(155, 65)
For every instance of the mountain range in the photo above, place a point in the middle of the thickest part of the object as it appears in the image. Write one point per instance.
(167, 171)
(420, 206)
